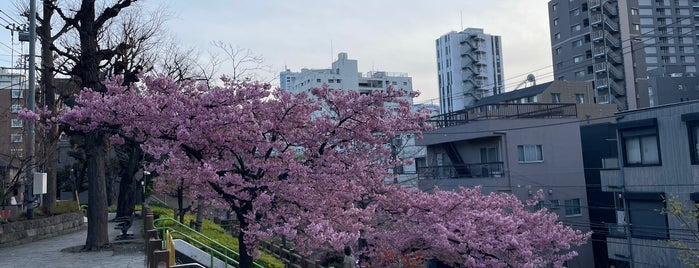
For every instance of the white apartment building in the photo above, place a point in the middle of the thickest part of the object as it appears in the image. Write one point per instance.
(469, 67)
(344, 75)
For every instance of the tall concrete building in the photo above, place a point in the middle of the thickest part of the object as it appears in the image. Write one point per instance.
(469, 66)
(616, 43)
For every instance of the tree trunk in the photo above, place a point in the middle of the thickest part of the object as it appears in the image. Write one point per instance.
(200, 215)
(95, 144)
(49, 88)
(97, 233)
(245, 260)
(126, 201)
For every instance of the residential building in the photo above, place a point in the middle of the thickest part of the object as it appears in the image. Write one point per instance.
(615, 44)
(577, 92)
(13, 86)
(344, 75)
(515, 148)
(666, 86)
(469, 67)
(658, 161)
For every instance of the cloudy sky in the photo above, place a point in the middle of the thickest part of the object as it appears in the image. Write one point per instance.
(383, 35)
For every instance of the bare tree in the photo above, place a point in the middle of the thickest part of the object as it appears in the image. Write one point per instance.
(244, 62)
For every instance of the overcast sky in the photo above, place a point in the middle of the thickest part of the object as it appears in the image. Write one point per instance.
(383, 35)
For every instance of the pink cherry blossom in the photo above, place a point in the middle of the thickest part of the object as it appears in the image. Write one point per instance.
(311, 167)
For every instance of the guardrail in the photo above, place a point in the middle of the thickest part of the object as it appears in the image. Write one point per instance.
(224, 253)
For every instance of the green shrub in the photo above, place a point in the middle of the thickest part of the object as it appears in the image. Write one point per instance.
(64, 206)
(216, 233)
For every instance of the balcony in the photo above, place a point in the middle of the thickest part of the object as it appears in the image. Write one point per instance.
(611, 180)
(593, 3)
(465, 171)
(505, 111)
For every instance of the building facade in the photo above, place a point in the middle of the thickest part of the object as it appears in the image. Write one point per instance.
(469, 67)
(514, 148)
(575, 92)
(13, 88)
(615, 44)
(658, 162)
(344, 75)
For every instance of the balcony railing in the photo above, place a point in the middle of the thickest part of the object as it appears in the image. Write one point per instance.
(505, 111)
(465, 171)
(617, 230)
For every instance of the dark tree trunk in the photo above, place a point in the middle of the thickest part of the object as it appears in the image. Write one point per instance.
(97, 229)
(95, 143)
(245, 260)
(126, 202)
(49, 88)
(181, 210)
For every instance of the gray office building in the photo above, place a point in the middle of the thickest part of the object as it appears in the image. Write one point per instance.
(617, 45)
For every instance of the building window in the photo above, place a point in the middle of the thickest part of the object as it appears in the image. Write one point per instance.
(555, 204)
(554, 7)
(555, 22)
(650, 220)
(640, 146)
(578, 59)
(17, 152)
(580, 98)
(17, 93)
(580, 74)
(692, 121)
(338, 80)
(555, 97)
(16, 137)
(573, 207)
(634, 11)
(578, 43)
(558, 51)
(15, 108)
(16, 123)
(557, 36)
(575, 28)
(530, 153)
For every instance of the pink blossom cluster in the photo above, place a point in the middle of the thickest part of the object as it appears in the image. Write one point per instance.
(312, 169)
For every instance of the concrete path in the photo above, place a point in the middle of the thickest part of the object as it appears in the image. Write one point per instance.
(60, 251)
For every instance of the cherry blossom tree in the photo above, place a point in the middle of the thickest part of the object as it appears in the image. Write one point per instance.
(311, 168)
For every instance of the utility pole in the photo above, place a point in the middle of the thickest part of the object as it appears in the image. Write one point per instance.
(31, 100)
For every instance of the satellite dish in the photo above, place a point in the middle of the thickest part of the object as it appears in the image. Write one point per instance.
(531, 78)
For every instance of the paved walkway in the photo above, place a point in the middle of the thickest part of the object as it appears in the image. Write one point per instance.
(56, 251)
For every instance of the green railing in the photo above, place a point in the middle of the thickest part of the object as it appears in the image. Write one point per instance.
(225, 254)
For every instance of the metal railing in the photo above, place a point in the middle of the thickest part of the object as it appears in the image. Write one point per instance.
(227, 255)
(480, 170)
(505, 111)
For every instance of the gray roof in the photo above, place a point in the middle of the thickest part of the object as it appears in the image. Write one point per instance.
(513, 95)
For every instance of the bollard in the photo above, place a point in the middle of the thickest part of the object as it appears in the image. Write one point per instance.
(160, 259)
(153, 245)
(147, 222)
